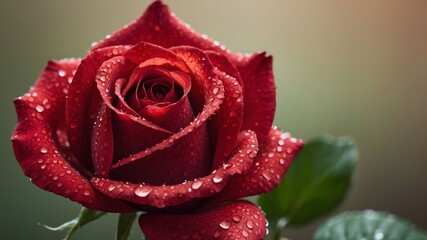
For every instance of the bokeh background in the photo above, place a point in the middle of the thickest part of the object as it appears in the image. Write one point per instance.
(355, 68)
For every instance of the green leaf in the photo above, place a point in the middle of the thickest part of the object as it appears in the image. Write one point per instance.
(86, 216)
(368, 225)
(316, 182)
(124, 225)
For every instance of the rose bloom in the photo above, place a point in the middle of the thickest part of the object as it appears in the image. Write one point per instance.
(160, 119)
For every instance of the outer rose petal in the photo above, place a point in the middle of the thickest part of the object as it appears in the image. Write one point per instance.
(37, 146)
(259, 94)
(83, 102)
(158, 26)
(234, 221)
(274, 158)
(163, 196)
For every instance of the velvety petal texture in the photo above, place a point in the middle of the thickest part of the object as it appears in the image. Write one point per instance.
(161, 119)
(234, 221)
(38, 136)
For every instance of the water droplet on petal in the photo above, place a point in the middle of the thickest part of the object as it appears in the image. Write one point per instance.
(62, 73)
(237, 218)
(271, 154)
(142, 191)
(215, 90)
(39, 108)
(266, 175)
(225, 224)
(250, 224)
(43, 150)
(245, 234)
(86, 193)
(111, 187)
(217, 179)
(282, 161)
(197, 184)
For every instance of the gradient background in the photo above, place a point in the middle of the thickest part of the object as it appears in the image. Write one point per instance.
(342, 67)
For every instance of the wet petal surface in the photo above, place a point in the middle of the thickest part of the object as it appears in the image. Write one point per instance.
(234, 221)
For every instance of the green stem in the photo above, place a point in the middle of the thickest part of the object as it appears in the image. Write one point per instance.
(276, 229)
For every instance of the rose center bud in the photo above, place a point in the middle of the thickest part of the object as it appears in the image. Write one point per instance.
(160, 95)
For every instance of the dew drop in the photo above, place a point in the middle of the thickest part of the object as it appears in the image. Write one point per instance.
(245, 234)
(266, 175)
(39, 108)
(59, 184)
(43, 166)
(236, 218)
(225, 224)
(196, 185)
(86, 193)
(215, 90)
(142, 191)
(62, 73)
(55, 178)
(281, 142)
(43, 150)
(282, 161)
(279, 149)
(250, 224)
(217, 179)
(271, 154)
(111, 187)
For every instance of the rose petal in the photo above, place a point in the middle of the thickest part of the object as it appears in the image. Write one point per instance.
(187, 157)
(227, 122)
(269, 167)
(149, 54)
(102, 142)
(158, 26)
(162, 196)
(38, 149)
(259, 94)
(108, 73)
(221, 62)
(236, 220)
(207, 89)
(83, 102)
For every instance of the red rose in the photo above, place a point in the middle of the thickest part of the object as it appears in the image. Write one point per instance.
(162, 119)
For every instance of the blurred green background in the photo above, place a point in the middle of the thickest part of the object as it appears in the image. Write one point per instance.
(355, 68)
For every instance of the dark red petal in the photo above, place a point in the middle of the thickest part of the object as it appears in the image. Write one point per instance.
(108, 73)
(163, 196)
(102, 142)
(83, 102)
(146, 54)
(226, 124)
(270, 165)
(259, 94)
(221, 62)
(234, 221)
(158, 26)
(187, 158)
(207, 94)
(41, 114)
